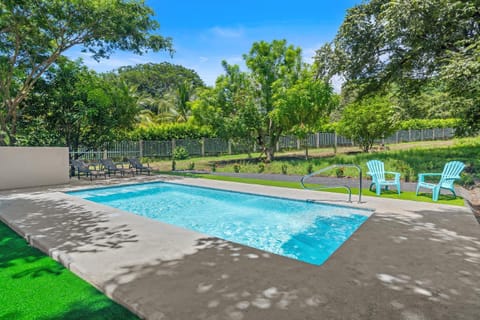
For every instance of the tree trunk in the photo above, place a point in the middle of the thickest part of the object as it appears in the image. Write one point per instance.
(269, 153)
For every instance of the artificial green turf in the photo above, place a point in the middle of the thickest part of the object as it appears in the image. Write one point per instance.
(34, 286)
(404, 195)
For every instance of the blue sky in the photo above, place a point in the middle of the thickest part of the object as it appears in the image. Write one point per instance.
(206, 32)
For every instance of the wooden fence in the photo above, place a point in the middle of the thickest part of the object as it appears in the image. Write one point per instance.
(218, 146)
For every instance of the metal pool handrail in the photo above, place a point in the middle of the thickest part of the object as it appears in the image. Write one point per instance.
(334, 187)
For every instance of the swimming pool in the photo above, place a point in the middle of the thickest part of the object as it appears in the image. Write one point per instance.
(302, 230)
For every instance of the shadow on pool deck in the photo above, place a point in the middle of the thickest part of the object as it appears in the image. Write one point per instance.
(405, 262)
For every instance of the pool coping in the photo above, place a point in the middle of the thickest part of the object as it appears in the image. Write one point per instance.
(266, 292)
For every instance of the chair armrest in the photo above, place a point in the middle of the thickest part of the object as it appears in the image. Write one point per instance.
(429, 174)
(421, 176)
(396, 174)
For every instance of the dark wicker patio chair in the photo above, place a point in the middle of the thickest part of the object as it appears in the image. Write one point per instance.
(138, 166)
(88, 170)
(111, 167)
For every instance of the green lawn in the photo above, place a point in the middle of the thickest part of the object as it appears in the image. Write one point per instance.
(409, 159)
(404, 195)
(34, 286)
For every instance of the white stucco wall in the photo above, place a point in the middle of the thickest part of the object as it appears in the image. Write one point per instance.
(33, 166)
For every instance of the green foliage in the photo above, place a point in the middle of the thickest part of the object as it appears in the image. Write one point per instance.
(170, 131)
(273, 66)
(157, 79)
(236, 168)
(229, 108)
(36, 33)
(191, 166)
(78, 107)
(261, 168)
(425, 54)
(213, 167)
(302, 107)
(309, 168)
(428, 123)
(180, 153)
(370, 119)
(340, 172)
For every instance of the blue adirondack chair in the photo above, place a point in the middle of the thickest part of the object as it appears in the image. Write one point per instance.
(451, 172)
(377, 171)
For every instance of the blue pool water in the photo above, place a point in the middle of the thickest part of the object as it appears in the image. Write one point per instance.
(302, 230)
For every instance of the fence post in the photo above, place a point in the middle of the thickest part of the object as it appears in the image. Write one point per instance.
(421, 134)
(173, 145)
(203, 146)
(409, 135)
(298, 144)
(396, 136)
(105, 155)
(277, 147)
(229, 146)
(140, 148)
(317, 140)
(335, 140)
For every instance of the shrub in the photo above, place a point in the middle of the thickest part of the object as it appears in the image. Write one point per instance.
(161, 132)
(368, 120)
(180, 153)
(340, 172)
(213, 167)
(284, 168)
(261, 168)
(236, 168)
(309, 168)
(191, 166)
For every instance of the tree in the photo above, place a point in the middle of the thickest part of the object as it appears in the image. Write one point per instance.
(157, 79)
(229, 108)
(405, 43)
(272, 65)
(304, 106)
(166, 89)
(81, 107)
(365, 121)
(34, 34)
(462, 78)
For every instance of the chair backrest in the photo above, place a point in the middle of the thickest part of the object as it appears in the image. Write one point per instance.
(108, 163)
(135, 163)
(451, 171)
(80, 166)
(377, 169)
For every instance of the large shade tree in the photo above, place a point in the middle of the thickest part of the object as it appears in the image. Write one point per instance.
(34, 34)
(409, 44)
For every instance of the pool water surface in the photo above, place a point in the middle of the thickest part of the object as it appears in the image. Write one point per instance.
(306, 231)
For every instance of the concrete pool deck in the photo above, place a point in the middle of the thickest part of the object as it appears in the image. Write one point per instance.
(409, 260)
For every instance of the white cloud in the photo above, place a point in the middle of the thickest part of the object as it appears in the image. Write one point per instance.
(228, 32)
(203, 59)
